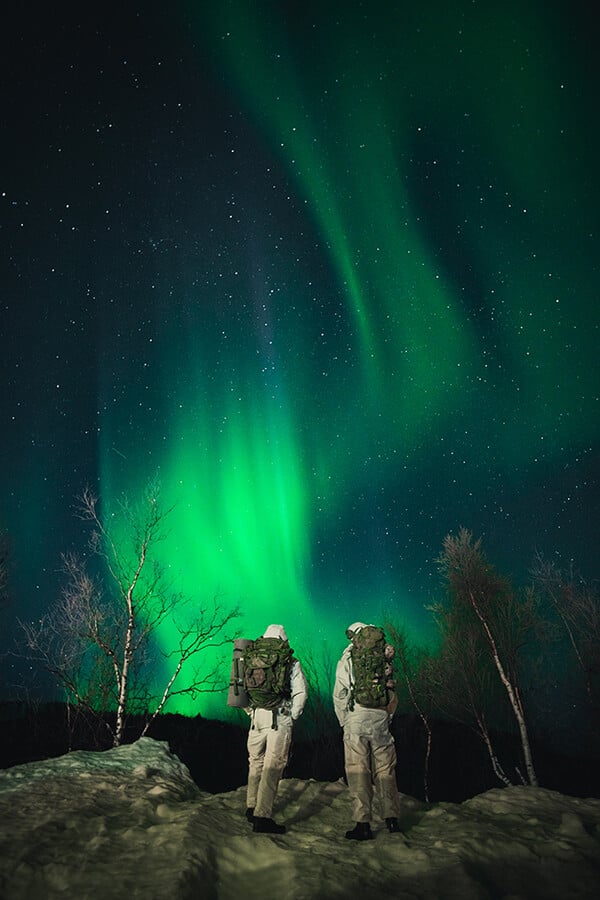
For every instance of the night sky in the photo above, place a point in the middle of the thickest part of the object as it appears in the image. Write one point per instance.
(329, 269)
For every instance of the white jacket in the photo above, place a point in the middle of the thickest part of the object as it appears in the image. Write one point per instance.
(360, 720)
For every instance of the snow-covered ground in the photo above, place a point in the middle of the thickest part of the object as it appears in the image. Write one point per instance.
(131, 823)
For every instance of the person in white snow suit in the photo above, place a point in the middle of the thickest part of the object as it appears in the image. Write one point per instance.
(269, 741)
(369, 751)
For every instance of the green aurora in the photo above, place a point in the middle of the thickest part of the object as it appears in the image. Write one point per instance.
(396, 343)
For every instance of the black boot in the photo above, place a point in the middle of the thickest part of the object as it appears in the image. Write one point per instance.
(267, 826)
(392, 825)
(250, 814)
(361, 832)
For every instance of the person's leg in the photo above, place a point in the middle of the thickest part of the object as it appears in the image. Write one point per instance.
(278, 743)
(384, 775)
(257, 742)
(358, 775)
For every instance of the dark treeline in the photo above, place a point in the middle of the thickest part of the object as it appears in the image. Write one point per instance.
(215, 752)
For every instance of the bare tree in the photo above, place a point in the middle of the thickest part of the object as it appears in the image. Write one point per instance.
(462, 681)
(577, 605)
(318, 728)
(318, 718)
(504, 618)
(99, 638)
(410, 669)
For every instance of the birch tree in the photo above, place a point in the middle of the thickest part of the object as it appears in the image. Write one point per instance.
(505, 620)
(463, 682)
(99, 639)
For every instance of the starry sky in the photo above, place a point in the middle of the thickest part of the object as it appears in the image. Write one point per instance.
(328, 269)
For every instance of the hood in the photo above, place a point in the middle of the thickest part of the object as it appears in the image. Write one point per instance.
(356, 626)
(276, 631)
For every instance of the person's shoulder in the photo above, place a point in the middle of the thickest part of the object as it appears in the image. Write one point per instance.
(344, 662)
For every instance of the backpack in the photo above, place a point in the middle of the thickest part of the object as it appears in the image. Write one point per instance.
(267, 669)
(372, 667)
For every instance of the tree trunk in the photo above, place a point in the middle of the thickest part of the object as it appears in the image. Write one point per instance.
(124, 679)
(513, 696)
(498, 770)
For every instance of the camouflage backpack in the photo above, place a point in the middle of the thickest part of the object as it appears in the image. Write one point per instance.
(373, 668)
(267, 669)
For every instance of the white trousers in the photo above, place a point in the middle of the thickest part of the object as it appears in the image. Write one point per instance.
(371, 758)
(268, 751)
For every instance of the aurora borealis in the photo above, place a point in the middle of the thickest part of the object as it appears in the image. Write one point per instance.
(329, 269)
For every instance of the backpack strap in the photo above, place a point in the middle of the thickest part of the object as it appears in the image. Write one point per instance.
(274, 712)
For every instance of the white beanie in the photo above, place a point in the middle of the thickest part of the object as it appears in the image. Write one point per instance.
(276, 631)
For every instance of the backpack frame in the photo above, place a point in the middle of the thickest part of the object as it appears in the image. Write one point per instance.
(372, 668)
(268, 666)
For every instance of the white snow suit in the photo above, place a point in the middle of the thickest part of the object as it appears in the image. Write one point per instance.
(268, 747)
(369, 749)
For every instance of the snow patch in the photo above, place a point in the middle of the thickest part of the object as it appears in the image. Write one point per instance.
(131, 823)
